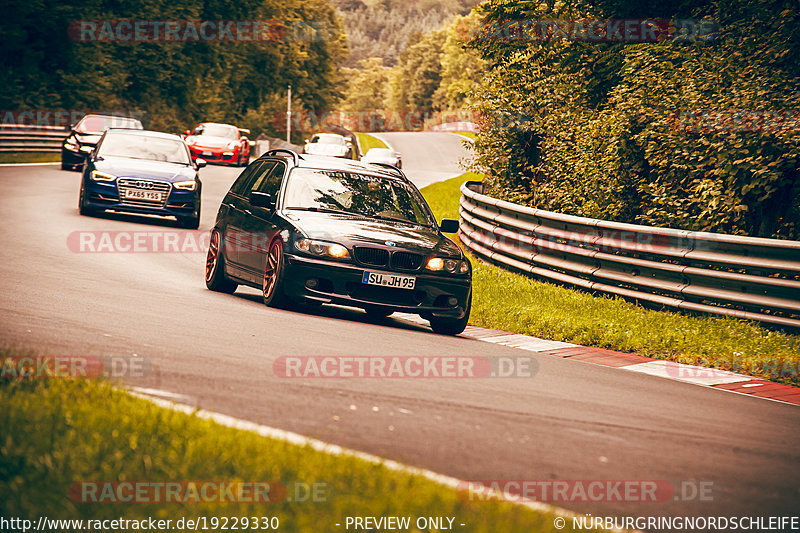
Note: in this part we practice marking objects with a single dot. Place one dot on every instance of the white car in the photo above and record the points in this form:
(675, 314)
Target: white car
(330, 144)
(384, 156)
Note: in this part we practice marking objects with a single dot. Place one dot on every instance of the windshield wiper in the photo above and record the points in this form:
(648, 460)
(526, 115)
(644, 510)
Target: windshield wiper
(395, 219)
(325, 210)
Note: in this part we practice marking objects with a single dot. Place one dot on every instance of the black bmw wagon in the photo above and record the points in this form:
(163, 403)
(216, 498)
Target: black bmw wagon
(317, 230)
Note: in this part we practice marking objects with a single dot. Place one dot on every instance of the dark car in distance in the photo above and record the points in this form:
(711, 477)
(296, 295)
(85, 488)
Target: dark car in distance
(142, 172)
(318, 230)
(83, 137)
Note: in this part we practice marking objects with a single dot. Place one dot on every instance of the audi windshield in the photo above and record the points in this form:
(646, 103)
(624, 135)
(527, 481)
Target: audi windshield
(357, 194)
(144, 147)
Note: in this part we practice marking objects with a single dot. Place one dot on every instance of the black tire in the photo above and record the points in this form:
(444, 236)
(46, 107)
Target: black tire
(83, 209)
(272, 283)
(378, 313)
(215, 266)
(193, 221)
(452, 327)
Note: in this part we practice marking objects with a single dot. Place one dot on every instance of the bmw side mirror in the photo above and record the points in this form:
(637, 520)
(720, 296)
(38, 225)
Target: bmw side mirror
(261, 199)
(200, 163)
(449, 225)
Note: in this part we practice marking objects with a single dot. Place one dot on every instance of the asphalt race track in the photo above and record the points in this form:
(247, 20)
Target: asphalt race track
(570, 421)
(427, 156)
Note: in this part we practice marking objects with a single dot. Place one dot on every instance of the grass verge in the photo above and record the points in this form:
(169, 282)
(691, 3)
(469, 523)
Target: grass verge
(470, 134)
(30, 157)
(60, 432)
(368, 141)
(514, 302)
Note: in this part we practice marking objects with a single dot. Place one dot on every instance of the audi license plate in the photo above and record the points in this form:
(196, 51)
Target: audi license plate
(139, 194)
(389, 280)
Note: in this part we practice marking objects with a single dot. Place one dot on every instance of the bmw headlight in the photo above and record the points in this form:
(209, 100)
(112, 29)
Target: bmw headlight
(453, 266)
(72, 147)
(96, 175)
(322, 249)
(185, 185)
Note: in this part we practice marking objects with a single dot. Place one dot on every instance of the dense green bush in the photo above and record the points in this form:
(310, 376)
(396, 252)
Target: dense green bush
(596, 128)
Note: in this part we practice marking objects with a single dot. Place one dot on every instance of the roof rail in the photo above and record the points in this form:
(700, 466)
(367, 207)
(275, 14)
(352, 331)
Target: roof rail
(390, 167)
(295, 156)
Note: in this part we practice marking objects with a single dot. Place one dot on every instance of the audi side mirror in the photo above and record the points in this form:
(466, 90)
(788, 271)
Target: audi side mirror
(200, 163)
(449, 225)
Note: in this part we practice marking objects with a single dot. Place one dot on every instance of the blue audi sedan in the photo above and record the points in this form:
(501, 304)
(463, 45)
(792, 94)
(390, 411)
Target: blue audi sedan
(142, 172)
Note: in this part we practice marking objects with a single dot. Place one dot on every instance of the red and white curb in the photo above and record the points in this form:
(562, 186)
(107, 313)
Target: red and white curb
(697, 375)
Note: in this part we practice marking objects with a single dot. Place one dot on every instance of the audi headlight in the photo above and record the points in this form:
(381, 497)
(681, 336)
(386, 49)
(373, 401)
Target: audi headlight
(322, 249)
(453, 266)
(185, 185)
(96, 175)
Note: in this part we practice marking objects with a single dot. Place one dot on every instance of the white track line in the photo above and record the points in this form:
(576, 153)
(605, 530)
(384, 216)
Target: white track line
(332, 449)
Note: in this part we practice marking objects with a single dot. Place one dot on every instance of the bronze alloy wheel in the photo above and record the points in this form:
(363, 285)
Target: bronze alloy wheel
(213, 255)
(272, 286)
(215, 275)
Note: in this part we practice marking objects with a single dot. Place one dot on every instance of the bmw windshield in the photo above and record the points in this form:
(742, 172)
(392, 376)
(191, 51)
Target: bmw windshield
(145, 147)
(357, 194)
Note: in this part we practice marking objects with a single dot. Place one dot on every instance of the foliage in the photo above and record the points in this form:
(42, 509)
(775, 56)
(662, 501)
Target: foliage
(594, 128)
(433, 73)
(384, 28)
(171, 84)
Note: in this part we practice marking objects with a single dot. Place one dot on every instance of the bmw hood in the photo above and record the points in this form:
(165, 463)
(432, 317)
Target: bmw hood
(140, 168)
(358, 231)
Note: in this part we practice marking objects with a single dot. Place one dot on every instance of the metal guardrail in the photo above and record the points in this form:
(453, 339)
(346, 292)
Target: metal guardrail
(743, 277)
(30, 138)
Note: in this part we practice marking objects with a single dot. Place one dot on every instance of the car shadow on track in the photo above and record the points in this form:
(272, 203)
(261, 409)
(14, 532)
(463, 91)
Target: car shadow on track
(146, 220)
(337, 312)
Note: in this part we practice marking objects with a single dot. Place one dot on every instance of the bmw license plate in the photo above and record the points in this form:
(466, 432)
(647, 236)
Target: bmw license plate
(207, 153)
(138, 194)
(389, 280)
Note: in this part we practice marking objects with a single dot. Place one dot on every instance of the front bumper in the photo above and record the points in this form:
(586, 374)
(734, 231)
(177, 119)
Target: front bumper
(105, 195)
(340, 283)
(215, 155)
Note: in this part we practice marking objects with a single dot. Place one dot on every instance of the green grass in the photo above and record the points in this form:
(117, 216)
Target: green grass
(514, 302)
(369, 141)
(54, 433)
(30, 157)
(469, 134)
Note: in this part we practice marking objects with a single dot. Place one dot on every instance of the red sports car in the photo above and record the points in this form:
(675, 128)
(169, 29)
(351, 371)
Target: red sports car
(219, 143)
